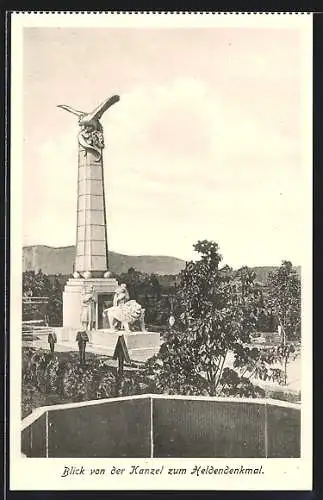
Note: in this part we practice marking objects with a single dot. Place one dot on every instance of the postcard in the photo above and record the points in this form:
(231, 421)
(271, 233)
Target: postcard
(161, 251)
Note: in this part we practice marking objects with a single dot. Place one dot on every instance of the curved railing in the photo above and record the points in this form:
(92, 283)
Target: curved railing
(164, 426)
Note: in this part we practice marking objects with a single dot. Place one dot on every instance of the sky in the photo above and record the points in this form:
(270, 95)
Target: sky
(205, 142)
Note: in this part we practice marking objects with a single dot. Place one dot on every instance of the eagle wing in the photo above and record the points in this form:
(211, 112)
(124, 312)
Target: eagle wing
(98, 112)
(71, 110)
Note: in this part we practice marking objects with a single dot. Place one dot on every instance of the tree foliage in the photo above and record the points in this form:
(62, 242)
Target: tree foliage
(217, 310)
(39, 285)
(284, 299)
(146, 289)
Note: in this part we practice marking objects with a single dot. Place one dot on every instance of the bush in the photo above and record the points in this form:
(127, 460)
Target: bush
(291, 397)
(137, 383)
(76, 382)
(56, 378)
(59, 377)
(106, 386)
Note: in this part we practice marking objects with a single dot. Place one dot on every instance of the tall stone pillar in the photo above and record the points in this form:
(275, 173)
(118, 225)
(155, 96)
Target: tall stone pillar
(91, 259)
(91, 274)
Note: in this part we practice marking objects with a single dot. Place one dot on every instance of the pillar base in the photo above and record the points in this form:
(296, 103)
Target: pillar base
(72, 295)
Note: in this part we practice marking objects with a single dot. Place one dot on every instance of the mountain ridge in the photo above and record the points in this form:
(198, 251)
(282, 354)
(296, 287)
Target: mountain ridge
(59, 260)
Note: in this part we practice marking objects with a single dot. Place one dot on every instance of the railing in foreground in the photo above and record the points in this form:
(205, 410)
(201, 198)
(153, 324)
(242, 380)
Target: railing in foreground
(164, 426)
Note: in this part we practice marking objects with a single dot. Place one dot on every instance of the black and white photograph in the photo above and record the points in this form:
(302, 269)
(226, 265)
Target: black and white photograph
(161, 197)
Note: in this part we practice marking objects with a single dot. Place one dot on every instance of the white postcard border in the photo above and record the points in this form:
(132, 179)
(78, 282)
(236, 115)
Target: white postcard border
(45, 474)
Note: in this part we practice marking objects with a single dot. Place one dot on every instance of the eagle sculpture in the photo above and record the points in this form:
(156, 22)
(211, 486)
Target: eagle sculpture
(91, 120)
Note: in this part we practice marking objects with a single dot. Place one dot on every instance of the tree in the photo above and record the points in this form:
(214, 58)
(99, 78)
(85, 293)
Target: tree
(35, 284)
(217, 310)
(137, 282)
(156, 286)
(39, 285)
(55, 303)
(284, 300)
(147, 290)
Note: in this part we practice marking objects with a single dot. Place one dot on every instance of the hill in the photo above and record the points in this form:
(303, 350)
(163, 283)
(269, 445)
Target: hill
(52, 260)
(55, 260)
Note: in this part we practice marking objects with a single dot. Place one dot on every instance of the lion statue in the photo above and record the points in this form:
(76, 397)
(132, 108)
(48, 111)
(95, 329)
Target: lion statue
(124, 316)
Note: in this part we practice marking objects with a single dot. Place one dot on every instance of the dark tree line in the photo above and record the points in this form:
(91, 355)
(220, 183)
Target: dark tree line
(279, 297)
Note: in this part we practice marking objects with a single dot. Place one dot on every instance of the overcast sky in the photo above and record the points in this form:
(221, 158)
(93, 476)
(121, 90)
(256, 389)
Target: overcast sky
(205, 142)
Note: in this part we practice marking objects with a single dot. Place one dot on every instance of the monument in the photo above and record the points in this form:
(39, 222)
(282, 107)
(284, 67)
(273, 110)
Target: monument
(91, 270)
(92, 299)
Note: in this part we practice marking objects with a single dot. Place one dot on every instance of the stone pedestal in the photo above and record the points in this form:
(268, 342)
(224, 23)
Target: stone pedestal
(141, 345)
(72, 306)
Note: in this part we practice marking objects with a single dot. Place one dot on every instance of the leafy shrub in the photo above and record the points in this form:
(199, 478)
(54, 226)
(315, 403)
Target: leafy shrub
(103, 383)
(27, 363)
(77, 382)
(291, 397)
(52, 374)
(56, 378)
(137, 383)
(27, 400)
(232, 383)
